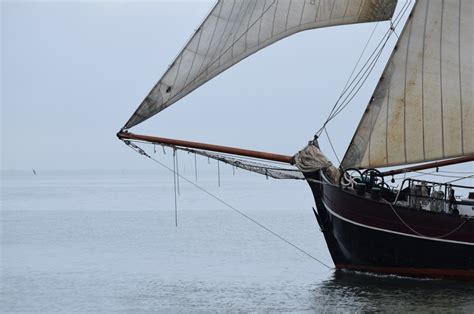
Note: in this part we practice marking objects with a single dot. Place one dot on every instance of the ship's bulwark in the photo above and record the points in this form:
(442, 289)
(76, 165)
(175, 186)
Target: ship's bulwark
(366, 235)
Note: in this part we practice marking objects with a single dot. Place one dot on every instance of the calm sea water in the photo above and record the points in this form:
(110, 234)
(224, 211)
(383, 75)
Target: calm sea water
(107, 242)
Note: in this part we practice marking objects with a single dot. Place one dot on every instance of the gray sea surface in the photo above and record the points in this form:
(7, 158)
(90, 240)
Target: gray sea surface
(106, 241)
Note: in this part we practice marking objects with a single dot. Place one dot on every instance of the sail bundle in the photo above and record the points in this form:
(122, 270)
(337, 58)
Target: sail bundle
(422, 108)
(235, 29)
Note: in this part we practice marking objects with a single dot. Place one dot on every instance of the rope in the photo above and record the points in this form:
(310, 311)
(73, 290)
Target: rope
(420, 234)
(142, 152)
(174, 185)
(352, 73)
(456, 172)
(445, 175)
(459, 179)
(332, 147)
(365, 70)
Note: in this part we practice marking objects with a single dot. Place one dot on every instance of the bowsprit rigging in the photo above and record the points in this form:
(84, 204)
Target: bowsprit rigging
(246, 216)
(420, 116)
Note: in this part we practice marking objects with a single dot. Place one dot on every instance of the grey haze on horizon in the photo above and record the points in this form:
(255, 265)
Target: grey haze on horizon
(74, 72)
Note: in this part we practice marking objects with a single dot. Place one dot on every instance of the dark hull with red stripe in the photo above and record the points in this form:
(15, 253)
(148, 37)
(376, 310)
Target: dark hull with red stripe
(363, 234)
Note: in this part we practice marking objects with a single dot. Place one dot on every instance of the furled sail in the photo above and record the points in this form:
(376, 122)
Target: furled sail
(235, 29)
(422, 108)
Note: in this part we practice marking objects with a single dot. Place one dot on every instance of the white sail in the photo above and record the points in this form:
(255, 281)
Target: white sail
(422, 108)
(235, 29)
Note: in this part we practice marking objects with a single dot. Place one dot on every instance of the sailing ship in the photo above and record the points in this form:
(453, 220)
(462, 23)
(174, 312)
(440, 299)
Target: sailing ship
(420, 116)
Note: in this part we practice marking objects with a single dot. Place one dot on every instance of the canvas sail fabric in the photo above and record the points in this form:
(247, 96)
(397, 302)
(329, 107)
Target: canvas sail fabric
(311, 159)
(235, 29)
(422, 109)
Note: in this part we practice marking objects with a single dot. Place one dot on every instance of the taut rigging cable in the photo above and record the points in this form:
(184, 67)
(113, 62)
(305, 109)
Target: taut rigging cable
(354, 84)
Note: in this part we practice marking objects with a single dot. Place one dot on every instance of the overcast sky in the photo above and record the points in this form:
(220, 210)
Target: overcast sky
(73, 73)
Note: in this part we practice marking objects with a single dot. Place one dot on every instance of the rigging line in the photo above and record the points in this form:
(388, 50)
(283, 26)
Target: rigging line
(332, 147)
(367, 72)
(361, 54)
(175, 196)
(353, 70)
(420, 175)
(387, 33)
(444, 175)
(141, 152)
(459, 179)
(195, 167)
(355, 85)
(422, 235)
(458, 172)
(177, 170)
(218, 174)
(350, 96)
(383, 40)
(371, 65)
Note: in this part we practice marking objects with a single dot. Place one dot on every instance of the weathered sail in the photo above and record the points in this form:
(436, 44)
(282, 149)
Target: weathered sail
(422, 108)
(235, 29)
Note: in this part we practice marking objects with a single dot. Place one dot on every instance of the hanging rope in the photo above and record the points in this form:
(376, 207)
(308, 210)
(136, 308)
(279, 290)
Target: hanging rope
(466, 219)
(177, 169)
(435, 174)
(218, 174)
(143, 153)
(174, 181)
(246, 163)
(195, 167)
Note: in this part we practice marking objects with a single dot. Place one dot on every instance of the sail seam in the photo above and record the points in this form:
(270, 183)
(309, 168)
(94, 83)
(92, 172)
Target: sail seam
(287, 15)
(261, 21)
(460, 81)
(302, 12)
(347, 6)
(218, 18)
(361, 4)
(356, 161)
(332, 9)
(241, 17)
(405, 90)
(214, 61)
(223, 33)
(194, 57)
(233, 32)
(441, 75)
(317, 12)
(218, 58)
(386, 116)
(423, 79)
(248, 25)
(274, 16)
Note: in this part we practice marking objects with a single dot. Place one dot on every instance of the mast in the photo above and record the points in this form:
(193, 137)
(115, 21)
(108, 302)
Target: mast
(124, 135)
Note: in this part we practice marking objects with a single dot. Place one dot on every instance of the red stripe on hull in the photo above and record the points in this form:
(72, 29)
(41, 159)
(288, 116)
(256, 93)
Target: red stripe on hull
(415, 272)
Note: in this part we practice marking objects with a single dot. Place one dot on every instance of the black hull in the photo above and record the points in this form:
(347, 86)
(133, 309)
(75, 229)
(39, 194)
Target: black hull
(366, 235)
